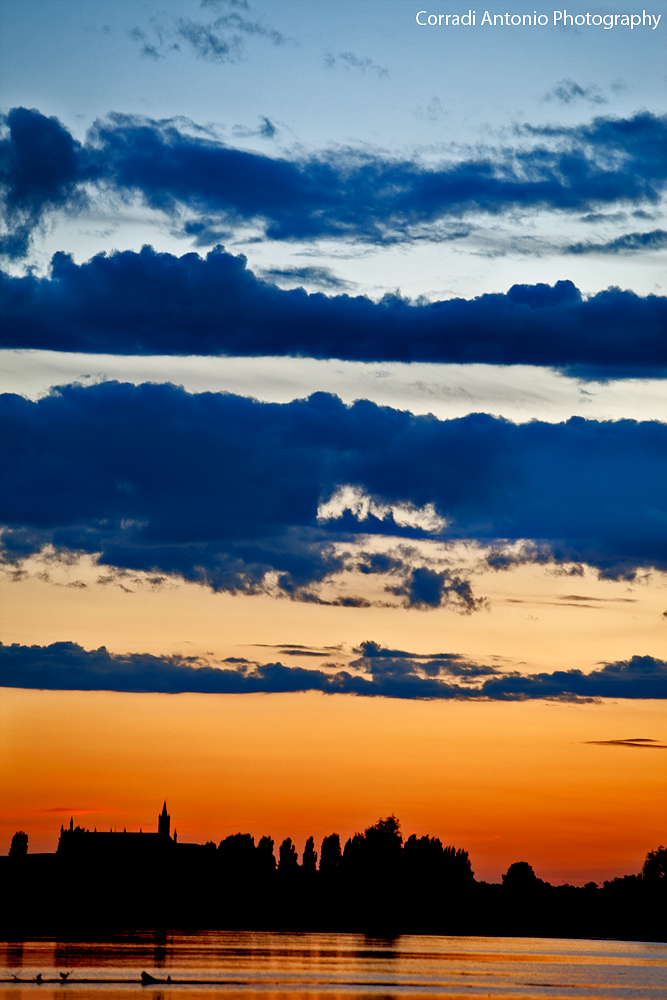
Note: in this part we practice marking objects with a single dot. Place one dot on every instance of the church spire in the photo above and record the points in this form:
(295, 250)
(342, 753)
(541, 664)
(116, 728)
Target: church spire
(164, 822)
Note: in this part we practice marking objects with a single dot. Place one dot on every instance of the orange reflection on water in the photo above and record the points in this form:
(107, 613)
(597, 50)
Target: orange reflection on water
(252, 965)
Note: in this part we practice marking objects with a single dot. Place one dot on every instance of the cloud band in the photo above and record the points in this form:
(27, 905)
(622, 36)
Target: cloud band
(155, 303)
(67, 666)
(225, 490)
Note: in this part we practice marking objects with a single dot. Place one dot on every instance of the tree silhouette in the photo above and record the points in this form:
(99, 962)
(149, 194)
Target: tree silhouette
(354, 854)
(19, 845)
(520, 875)
(422, 855)
(289, 859)
(378, 886)
(655, 866)
(385, 835)
(383, 846)
(309, 860)
(266, 861)
(457, 865)
(330, 855)
(237, 854)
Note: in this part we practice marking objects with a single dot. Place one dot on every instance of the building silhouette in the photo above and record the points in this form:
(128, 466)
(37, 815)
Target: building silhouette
(78, 843)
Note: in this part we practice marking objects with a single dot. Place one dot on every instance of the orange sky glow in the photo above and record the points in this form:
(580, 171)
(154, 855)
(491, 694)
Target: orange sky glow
(508, 782)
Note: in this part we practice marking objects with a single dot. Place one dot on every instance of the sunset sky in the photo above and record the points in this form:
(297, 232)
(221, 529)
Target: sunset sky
(333, 454)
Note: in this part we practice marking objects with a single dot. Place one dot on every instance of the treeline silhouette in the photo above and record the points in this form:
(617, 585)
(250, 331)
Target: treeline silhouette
(375, 883)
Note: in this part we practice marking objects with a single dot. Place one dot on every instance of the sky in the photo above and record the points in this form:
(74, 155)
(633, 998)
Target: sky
(333, 475)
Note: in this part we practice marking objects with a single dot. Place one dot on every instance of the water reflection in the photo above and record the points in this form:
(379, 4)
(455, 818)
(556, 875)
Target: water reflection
(160, 950)
(285, 966)
(14, 955)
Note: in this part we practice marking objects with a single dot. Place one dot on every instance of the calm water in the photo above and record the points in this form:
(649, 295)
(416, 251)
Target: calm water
(280, 966)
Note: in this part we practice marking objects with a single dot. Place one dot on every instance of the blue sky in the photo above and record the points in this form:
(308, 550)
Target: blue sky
(49, 49)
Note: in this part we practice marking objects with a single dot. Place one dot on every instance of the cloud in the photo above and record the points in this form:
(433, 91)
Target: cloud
(156, 303)
(41, 170)
(207, 41)
(67, 666)
(383, 663)
(628, 243)
(267, 129)
(70, 810)
(148, 50)
(426, 588)
(570, 92)
(640, 742)
(598, 600)
(423, 586)
(349, 61)
(220, 40)
(350, 194)
(638, 677)
(433, 111)
(204, 232)
(297, 649)
(359, 503)
(218, 4)
(323, 277)
(226, 491)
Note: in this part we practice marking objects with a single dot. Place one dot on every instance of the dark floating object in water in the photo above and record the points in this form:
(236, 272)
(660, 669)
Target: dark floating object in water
(146, 980)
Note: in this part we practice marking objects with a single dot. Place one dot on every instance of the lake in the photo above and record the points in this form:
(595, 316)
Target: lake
(277, 966)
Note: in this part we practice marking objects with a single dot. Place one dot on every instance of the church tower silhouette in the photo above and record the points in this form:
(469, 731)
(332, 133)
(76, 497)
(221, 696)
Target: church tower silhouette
(163, 822)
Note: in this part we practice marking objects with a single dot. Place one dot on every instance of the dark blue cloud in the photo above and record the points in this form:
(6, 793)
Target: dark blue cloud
(41, 168)
(384, 664)
(638, 677)
(426, 588)
(224, 490)
(150, 303)
(67, 666)
(628, 243)
(357, 195)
